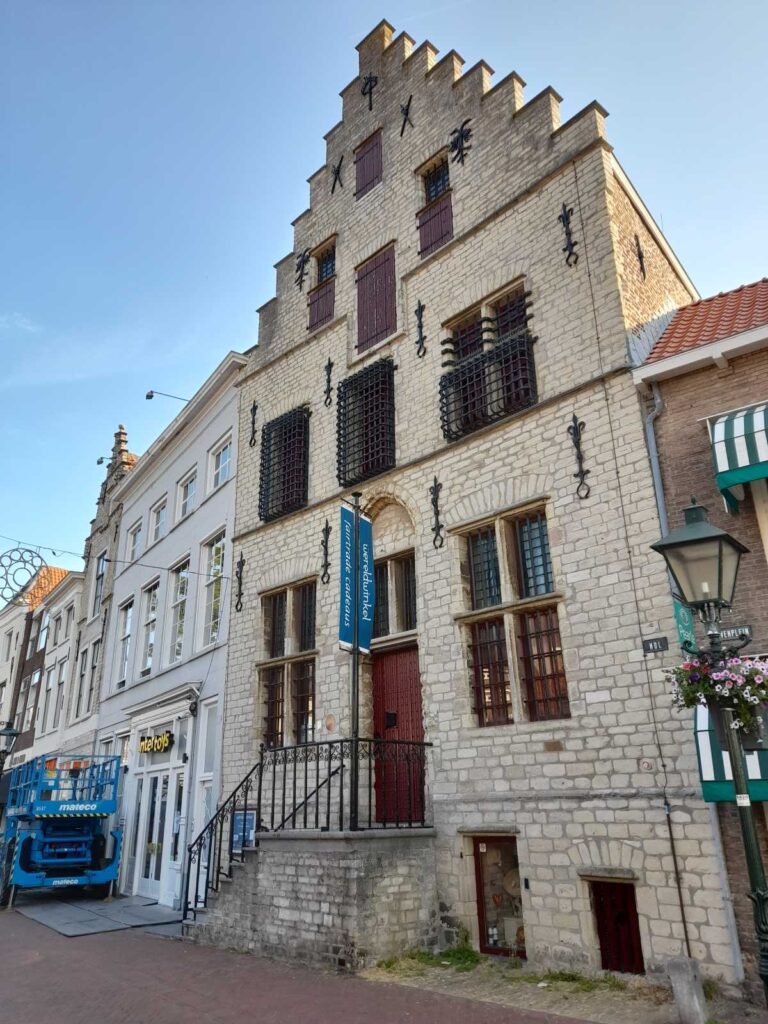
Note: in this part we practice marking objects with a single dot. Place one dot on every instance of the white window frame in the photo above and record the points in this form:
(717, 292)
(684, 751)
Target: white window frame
(158, 508)
(225, 445)
(35, 680)
(69, 619)
(50, 691)
(60, 684)
(214, 587)
(133, 545)
(100, 571)
(57, 631)
(149, 626)
(82, 675)
(125, 627)
(178, 610)
(189, 478)
(93, 663)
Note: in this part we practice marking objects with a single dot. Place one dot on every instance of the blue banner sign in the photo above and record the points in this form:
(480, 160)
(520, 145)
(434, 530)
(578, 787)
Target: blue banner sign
(363, 575)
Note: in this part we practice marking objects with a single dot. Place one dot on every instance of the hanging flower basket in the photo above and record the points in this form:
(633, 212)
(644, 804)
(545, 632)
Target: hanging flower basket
(738, 685)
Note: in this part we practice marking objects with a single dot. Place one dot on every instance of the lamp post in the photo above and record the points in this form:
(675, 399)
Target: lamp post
(704, 563)
(8, 737)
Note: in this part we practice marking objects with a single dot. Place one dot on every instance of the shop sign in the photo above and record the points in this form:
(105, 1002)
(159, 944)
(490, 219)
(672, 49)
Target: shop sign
(359, 579)
(156, 744)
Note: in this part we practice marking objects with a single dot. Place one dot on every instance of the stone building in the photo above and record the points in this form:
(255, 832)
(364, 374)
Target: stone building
(706, 380)
(453, 336)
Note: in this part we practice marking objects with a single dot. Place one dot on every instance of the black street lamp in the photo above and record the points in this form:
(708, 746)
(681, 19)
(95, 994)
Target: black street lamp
(8, 737)
(704, 562)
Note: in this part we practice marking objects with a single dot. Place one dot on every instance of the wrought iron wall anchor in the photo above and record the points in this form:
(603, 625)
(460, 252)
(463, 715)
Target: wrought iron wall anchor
(369, 84)
(437, 527)
(325, 576)
(252, 438)
(575, 431)
(421, 339)
(302, 265)
(239, 578)
(405, 110)
(460, 145)
(328, 387)
(640, 255)
(571, 256)
(337, 175)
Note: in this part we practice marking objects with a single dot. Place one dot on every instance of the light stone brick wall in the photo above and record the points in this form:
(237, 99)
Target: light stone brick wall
(596, 805)
(334, 901)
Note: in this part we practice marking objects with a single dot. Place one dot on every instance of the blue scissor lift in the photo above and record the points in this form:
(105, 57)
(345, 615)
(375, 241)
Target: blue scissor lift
(57, 818)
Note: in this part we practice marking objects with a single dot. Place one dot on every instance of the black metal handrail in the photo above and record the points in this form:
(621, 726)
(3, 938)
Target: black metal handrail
(309, 787)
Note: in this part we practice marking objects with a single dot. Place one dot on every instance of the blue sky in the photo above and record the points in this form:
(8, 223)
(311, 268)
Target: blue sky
(154, 153)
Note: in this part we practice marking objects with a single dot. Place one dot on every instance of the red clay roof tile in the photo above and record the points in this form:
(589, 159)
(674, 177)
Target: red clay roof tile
(713, 319)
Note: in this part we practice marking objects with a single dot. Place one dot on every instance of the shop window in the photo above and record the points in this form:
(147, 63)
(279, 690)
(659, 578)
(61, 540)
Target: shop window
(499, 896)
(491, 369)
(365, 423)
(284, 476)
(376, 299)
(368, 165)
(288, 672)
(435, 220)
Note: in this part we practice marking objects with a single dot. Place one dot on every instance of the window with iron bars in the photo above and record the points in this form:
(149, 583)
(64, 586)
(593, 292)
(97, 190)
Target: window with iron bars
(322, 297)
(365, 423)
(284, 476)
(288, 671)
(491, 371)
(529, 616)
(395, 608)
(435, 220)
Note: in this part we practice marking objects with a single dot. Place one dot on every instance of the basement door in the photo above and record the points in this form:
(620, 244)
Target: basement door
(397, 718)
(617, 927)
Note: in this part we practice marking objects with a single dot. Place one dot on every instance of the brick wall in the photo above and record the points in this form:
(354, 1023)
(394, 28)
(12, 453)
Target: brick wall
(332, 901)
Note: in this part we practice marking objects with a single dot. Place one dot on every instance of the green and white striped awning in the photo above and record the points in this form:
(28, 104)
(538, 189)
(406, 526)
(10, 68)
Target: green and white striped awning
(740, 449)
(715, 765)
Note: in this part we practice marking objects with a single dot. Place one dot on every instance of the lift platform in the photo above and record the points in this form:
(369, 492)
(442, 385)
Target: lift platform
(56, 831)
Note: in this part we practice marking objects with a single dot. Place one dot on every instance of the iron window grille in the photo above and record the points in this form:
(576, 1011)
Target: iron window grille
(368, 167)
(284, 478)
(534, 565)
(490, 672)
(303, 687)
(540, 660)
(491, 369)
(326, 264)
(484, 577)
(365, 423)
(395, 608)
(407, 567)
(436, 181)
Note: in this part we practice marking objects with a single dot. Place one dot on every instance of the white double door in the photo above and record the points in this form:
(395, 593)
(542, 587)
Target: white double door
(160, 850)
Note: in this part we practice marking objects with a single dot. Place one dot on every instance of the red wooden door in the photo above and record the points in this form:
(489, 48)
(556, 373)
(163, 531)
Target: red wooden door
(399, 777)
(617, 927)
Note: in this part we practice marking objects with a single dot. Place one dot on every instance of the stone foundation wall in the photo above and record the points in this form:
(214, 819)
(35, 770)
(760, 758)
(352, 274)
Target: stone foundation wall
(331, 900)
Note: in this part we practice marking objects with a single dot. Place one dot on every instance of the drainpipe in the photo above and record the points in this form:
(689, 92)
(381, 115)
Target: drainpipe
(714, 823)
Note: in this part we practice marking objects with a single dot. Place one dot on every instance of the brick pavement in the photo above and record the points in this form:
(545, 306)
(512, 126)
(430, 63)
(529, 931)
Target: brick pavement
(132, 976)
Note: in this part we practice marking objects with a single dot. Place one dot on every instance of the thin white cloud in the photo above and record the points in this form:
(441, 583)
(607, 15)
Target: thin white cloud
(18, 322)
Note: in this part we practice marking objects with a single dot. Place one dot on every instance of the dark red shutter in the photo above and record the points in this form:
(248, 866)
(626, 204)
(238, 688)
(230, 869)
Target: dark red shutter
(368, 165)
(321, 301)
(376, 301)
(435, 225)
